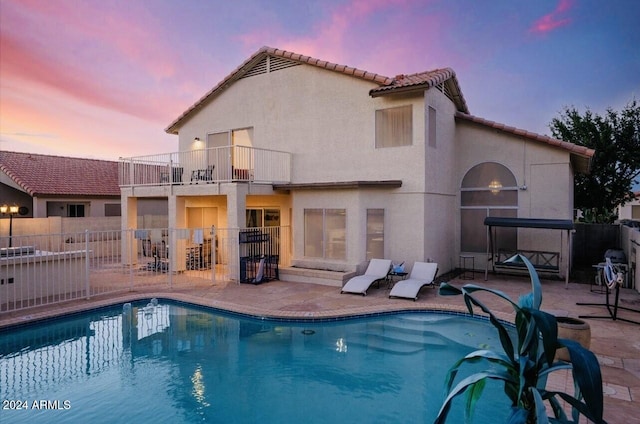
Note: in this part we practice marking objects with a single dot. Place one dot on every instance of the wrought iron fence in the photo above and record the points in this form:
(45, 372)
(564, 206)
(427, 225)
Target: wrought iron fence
(47, 269)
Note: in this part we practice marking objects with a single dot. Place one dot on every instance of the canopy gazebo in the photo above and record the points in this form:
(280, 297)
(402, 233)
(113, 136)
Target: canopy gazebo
(543, 261)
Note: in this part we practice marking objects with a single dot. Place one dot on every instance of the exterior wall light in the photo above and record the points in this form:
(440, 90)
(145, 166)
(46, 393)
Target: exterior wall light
(197, 143)
(10, 210)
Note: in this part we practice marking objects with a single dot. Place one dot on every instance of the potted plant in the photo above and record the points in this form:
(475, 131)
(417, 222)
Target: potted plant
(573, 329)
(524, 363)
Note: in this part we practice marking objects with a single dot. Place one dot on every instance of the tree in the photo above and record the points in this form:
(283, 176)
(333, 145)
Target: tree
(615, 137)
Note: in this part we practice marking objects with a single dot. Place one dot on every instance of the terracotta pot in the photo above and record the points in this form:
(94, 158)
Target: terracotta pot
(572, 329)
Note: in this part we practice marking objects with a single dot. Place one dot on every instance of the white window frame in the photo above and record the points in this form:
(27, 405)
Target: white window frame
(328, 244)
(388, 135)
(495, 187)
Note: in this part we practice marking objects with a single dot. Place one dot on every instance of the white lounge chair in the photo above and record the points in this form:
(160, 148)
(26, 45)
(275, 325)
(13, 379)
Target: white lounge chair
(422, 274)
(377, 270)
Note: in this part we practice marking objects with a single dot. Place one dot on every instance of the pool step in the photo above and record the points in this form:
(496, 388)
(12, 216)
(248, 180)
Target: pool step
(315, 276)
(405, 345)
(400, 337)
(466, 336)
(412, 333)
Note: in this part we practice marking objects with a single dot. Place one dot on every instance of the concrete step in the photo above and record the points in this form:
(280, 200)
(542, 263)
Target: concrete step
(315, 276)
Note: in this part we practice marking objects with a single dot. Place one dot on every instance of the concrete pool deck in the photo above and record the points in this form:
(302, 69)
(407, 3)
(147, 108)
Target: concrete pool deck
(616, 343)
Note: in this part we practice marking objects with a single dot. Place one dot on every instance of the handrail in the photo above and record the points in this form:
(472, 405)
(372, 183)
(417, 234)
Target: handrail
(216, 164)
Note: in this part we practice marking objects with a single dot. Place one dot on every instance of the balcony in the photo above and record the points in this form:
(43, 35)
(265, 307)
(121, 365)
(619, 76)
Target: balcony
(214, 165)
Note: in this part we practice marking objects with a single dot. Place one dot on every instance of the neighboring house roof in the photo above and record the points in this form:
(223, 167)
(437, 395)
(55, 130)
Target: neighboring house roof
(581, 156)
(402, 83)
(43, 175)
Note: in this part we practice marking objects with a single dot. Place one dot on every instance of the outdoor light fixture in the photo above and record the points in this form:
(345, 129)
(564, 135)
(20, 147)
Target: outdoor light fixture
(197, 143)
(495, 186)
(10, 210)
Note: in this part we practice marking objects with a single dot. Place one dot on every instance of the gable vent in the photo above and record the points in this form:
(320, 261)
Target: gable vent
(269, 64)
(277, 63)
(445, 90)
(258, 69)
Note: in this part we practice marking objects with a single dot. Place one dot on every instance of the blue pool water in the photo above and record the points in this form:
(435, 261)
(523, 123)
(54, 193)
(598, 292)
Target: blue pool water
(176, 363)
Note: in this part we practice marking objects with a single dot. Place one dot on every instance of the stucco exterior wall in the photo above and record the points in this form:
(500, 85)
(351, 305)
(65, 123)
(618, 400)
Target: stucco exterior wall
(440, 200)
(630, 210)
(403, 224)
(325, 119)
(94, 208)
(543, 174)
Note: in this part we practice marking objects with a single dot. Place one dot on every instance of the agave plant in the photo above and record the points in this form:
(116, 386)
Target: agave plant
(525, 362)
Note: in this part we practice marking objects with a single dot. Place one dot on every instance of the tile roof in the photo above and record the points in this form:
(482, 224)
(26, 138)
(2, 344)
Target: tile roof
(426, 80)
(444, 78)
(581, 154)
(387, 85)
(44, 175)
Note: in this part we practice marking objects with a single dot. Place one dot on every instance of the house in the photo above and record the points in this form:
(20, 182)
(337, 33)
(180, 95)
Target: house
(357, 164)
(59, 186)
(631, 209)
(45, 185)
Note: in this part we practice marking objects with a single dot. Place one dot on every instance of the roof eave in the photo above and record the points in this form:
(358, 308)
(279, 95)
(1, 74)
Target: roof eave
(174, 127)
(236, 74)
(580, 156)
(581, 164)
(339, 185)
(399, 90)
(451, 82)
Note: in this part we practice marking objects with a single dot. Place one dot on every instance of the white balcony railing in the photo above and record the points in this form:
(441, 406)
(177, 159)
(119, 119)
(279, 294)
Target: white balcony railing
(218, 164)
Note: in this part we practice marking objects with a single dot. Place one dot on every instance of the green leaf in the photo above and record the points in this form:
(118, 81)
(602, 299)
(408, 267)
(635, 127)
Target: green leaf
(473, 394)
(447, 289)
(540, 409)
(464, 385)
(586, 373)
(522, 376)
(560, 365)
(505, 339)
(580, 406)
(472, 288)
(474, 357)
(548, 327)
(558, 410)
(518, 415)
(526, 300)
(536, 288)
(529, 341)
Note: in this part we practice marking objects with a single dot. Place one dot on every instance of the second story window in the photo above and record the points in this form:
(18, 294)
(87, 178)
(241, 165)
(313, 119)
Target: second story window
(394, 126)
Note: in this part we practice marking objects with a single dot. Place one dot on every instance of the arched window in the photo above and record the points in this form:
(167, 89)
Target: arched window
(488, 189)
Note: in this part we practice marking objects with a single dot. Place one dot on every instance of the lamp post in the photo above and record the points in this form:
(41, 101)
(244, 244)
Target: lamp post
(11, 210)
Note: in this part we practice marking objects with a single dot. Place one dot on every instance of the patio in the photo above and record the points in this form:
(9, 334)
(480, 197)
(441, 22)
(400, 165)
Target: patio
(616, 343)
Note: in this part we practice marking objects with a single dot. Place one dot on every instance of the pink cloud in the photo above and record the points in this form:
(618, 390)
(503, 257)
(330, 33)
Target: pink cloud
(553, 20)
(21, 62)
(112, 65)
(131, 33)
(383, 36)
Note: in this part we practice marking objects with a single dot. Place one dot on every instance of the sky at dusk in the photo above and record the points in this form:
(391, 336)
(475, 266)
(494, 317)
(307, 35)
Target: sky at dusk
(104, 78)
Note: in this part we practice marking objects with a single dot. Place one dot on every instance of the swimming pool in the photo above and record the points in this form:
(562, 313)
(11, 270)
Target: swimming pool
(177, 363)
